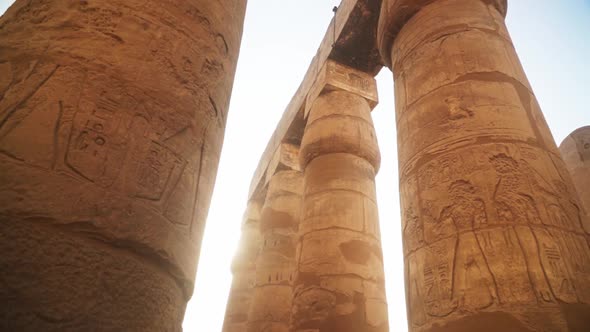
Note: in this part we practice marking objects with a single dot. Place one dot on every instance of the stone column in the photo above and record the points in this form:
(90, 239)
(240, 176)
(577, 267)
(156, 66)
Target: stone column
(111, 123)
(493, 236)
(575, 150)
(340, 283)
(244, 272)
(272, 296)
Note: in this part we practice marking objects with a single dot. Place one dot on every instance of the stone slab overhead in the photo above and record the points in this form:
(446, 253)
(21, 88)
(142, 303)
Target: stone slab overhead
(350, 40)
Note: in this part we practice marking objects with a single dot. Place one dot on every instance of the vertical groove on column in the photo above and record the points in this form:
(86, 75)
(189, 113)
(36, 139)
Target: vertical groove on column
(340, 282)
(272, 296)
(493, 230)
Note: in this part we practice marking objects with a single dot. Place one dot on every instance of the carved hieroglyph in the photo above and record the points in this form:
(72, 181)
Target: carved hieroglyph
(270, 309)
(111, 122)
(575, 150)
(244, 271)
(340, 282)
(492, 227)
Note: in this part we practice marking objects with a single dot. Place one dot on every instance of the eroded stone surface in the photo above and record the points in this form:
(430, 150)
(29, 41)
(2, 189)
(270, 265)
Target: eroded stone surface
(492, 229)
(270, 309)
(111, 122)
(340, 279)
(575, 150)
(244, 271)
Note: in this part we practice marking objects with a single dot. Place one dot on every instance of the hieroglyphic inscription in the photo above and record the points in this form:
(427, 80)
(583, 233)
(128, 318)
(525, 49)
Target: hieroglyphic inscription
(97, 148)
(503, 234)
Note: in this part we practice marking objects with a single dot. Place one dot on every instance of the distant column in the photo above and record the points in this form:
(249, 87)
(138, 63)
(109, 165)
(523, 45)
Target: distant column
(575, 150)
(244, 271)
(340, 282)
(272, 296)
(493, 235)
(112, 116)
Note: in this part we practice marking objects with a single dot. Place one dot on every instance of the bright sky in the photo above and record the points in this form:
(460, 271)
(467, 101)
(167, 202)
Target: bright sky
(280, 38)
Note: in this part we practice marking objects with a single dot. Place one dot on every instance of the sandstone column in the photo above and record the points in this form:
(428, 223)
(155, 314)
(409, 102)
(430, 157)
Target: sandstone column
(272, 296)
(493, 235)
(340, 282)
(575, 150)
(111, 122)
(244, 272)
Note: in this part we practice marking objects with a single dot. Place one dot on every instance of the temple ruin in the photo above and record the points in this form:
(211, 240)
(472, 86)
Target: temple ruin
(108, 161)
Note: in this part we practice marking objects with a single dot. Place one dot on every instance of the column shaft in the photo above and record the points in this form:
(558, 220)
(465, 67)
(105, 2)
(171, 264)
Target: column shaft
(575, 150)
(112, 116)
(492, 227)
(340, 281)
(272, 296)
(244, 272)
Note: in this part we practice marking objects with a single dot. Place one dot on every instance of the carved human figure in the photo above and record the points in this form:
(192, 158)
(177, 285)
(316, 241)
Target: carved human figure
(473, 284)
(491, 189)
(513, 204)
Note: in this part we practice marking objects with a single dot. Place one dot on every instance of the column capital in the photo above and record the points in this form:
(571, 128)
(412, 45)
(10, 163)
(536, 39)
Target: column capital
(334, 76)
(395, 14)
(285, 158)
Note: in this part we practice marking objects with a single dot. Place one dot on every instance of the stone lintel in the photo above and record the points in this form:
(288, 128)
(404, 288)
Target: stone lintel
(351, 40)
(334, 76)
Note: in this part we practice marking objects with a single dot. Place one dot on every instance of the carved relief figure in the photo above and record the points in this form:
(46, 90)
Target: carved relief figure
(512, 203)
(473, 285)
(551, 190)
(507, 263)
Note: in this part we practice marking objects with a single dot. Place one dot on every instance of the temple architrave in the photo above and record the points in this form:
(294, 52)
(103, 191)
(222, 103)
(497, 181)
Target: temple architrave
(112, 116)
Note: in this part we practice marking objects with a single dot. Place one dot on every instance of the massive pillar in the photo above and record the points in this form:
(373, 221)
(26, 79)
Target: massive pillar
(575, 150)
(272, 296)
(340, 284)
(244, 272)
(111, 123)
(492, 227)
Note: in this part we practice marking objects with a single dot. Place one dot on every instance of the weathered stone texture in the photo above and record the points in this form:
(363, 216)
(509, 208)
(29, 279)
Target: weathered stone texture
(340, 281)
(492, 227)
(575, 150)
(244, 271)
(270, 309)
(111, 123)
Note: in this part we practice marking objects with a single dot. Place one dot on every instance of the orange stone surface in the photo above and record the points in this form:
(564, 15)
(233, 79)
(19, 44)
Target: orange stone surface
(575, 150)
(494, 239)
(244, 272)
(340, 278)
(493, 234)
(270, 308)
(112, 116)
